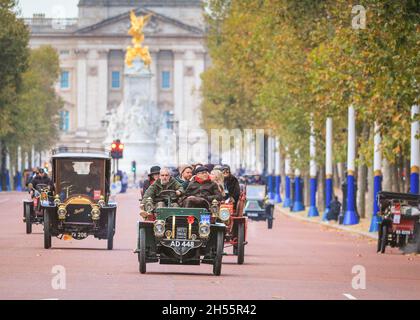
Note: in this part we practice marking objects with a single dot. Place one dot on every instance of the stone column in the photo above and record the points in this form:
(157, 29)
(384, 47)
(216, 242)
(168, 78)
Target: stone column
(102, 93)
(155, 76)
(81, 91)
(179, 84)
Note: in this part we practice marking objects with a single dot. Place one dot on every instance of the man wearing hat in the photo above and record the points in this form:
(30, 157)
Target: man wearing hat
(153, 176)
(185, 175)
(201, 190)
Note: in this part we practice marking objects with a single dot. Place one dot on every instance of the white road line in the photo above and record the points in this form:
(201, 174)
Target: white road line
(349, 296)
(4, 200)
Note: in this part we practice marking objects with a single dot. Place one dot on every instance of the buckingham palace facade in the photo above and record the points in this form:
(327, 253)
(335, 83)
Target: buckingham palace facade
(92, 48)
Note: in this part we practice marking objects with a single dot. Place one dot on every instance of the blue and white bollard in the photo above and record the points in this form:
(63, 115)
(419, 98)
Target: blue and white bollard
(277, 195)
(350, 216)
(313, 210)
(287, 200)
(19, 171)
(298, 204)
(328, 167)
(377, 180)
(415, 152)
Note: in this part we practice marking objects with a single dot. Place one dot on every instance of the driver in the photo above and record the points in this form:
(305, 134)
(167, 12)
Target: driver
(42, 178)
(201, 190)
(165, 182)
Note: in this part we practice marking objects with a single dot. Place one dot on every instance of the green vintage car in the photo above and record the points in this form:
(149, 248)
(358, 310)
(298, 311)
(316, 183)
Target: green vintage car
(187, 236)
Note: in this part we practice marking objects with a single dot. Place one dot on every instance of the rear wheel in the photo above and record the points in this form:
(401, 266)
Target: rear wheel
(28, 218)
(111, 230)
(241, 243)
(384, 238)
(47, 230)
(217, 264)
(142, 250)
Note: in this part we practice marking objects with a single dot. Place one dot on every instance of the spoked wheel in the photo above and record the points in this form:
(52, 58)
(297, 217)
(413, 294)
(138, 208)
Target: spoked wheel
(28, 218)
(142, 250)
(217, 264)
(47, 231)
(383, 238)
(111, 230)
(241, 243)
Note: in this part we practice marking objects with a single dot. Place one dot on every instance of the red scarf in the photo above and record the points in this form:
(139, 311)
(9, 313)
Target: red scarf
(200, 181)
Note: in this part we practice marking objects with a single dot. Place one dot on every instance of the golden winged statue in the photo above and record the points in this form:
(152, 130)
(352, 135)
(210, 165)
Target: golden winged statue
(137, 49)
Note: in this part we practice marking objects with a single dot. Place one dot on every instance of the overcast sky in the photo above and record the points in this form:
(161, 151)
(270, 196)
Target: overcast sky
(51, 8)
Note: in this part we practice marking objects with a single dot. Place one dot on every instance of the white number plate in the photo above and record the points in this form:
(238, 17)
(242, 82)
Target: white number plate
(182, 244)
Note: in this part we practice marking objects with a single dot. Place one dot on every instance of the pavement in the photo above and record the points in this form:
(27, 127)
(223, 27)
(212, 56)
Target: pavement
(296, 259)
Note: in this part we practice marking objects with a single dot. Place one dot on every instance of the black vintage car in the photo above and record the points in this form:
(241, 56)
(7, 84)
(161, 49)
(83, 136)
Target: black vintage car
(33, 212)
(174, 235)
(258, 207)
(400, 225)
(80, 205)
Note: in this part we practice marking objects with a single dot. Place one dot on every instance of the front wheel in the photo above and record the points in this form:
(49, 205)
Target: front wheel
(28, 218)
(384, 238)
(142, 250)
(47, 230)
(217, 264)
(111, 230)
(241, 243)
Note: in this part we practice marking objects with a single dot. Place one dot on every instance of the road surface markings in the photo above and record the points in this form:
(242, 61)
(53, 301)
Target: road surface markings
(4, 200)
(349, 296)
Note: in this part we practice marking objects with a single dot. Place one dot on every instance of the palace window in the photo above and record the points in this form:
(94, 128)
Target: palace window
(65, 80)
(64, 121)
(115, 80)
(166, 80)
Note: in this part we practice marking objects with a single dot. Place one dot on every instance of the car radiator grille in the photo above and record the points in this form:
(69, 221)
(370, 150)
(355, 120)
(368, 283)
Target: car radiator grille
(181, 222)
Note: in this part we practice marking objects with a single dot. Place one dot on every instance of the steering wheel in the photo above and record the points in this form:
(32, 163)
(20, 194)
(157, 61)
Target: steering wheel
(171, 194)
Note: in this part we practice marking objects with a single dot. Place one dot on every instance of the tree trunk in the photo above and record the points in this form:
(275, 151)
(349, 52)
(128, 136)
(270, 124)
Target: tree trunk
(369, 204)
(321, 189)
(393, 179)
(406, 175)
(306, 192)
(386, 174)
(361, 189)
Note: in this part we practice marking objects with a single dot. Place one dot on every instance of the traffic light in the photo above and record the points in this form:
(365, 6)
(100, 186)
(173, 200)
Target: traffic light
(117, 149)
(133, 166)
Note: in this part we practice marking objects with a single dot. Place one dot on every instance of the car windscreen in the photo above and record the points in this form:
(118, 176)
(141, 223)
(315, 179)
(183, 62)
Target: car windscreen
(255, 192)
(81, 176)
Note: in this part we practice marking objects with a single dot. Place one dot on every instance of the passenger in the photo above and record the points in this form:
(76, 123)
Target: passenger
(185, 175)
(165, 182)
(217, 177)
(231, 185)
(201, 190)
(153, 177)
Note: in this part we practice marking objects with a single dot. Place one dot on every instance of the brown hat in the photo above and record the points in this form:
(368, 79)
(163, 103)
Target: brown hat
(183, 167)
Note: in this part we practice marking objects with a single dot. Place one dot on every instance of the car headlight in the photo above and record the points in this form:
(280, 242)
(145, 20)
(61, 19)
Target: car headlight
(57, 200)
(224, 214)
(159, 228)
(95, 213)
(101, 201)
(148, 206)
(204, 230)
(62, 212)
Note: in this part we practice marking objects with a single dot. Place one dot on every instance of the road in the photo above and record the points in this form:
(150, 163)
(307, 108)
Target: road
(294, 260)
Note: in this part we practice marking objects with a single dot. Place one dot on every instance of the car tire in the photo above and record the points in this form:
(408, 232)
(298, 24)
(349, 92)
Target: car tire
(241, 243)
(111, 230)
(28, 220)
(270, 219)
(142, 250)
(217, 264)
(47, 231)
(384, 238)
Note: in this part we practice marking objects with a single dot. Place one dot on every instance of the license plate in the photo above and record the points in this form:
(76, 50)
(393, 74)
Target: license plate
(182, 244)
(181, 233)
(249, 214)
(403, 232)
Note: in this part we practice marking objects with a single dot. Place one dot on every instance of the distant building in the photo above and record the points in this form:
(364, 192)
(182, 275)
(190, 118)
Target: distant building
(92, 51)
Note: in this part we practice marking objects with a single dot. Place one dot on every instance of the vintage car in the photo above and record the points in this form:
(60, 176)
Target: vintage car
(400, 223)
(236, 225)
(33, 212)
(258, 207)
(80, 206)
(175, 235)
